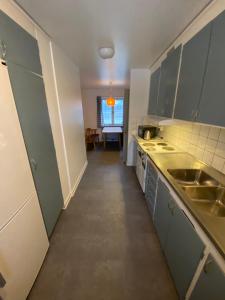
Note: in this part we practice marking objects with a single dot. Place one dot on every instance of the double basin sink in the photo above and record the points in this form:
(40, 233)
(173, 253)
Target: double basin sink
(205, 192)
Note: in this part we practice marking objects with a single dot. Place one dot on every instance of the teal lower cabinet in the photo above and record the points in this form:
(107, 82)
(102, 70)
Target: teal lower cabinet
(183, 250)
(162, 218)
(182, 246)
(150, 186)
(211, 283)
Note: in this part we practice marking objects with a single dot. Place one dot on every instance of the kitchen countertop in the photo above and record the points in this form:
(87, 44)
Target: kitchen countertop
(213, 226)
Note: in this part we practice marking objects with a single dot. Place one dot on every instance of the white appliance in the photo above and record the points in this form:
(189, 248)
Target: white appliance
(147, 147)
(23, 238)
(158, 146)
(141, 167)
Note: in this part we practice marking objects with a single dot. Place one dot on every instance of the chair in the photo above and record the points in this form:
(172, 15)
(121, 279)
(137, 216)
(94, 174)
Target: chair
(91, 137)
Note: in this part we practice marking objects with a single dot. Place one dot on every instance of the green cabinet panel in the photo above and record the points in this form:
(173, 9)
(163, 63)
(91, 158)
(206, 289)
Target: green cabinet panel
(154, 91)
(183, 250)
(162, 217)
(29, 95)
(193, 65)
(21, 47)
(168, 83)
(211, 283)
(212, 104)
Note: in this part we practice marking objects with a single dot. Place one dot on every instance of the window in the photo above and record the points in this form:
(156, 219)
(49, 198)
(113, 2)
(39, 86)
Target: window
(112, 115)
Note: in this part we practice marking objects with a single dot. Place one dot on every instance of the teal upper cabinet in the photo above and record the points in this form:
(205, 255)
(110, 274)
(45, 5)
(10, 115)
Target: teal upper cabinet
(212, 104)
(193, 65)
(29, 95)
(168, 83)
(154, 91)
(20, 47)
(211, 283)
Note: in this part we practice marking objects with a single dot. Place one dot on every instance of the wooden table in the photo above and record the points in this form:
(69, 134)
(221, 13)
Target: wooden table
(112, 130)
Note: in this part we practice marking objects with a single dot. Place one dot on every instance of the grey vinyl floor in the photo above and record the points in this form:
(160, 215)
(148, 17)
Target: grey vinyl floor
(104, 246)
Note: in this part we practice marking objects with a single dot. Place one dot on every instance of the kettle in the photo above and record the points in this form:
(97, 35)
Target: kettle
(147, 135)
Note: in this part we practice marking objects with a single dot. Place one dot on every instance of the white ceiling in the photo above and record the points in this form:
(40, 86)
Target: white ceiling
(139, 30)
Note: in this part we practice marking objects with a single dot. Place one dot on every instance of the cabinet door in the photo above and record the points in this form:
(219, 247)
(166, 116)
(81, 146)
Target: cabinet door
(168, 83)
(23, 245)
(193, 65)
(16, 184)
(183, 250)
(21, 47)
(211, 283)
(150, 186)
(162, 218)
(154, 90)
(29, 95)
(212, 104)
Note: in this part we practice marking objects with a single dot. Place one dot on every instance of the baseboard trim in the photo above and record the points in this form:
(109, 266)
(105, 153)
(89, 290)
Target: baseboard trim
(75, 185)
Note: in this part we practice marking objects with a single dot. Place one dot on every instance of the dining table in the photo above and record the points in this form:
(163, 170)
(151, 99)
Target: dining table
(112, 130)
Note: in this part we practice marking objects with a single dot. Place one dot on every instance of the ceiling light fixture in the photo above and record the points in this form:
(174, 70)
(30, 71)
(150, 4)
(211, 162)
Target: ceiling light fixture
(106, 52)
(110, 101)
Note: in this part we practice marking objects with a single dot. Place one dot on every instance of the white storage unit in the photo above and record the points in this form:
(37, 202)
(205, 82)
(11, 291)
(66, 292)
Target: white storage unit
(23, 239)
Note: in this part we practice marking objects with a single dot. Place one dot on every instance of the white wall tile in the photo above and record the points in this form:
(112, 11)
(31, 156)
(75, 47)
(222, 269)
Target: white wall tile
(214, 133)
(204, 131)
(206, 143)
(218, 162)
(208, 157)
(222, 135)
(220, 149)
(211, 145)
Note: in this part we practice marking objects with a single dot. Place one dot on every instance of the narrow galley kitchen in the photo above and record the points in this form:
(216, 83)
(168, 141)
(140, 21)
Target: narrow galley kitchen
(112, 150)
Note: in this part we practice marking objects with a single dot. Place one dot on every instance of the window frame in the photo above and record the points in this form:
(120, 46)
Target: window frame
(111, 125)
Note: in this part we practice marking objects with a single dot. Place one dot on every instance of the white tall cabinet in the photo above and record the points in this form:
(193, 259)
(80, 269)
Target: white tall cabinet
(23, 239)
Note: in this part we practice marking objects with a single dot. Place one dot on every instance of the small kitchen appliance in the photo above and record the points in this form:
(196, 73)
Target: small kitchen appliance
(147, 135)
(152, 130)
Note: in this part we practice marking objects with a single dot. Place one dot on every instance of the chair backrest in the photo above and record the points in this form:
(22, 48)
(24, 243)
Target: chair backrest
(90, 131)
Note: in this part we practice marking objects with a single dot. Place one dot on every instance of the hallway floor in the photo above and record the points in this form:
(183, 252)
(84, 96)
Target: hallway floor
(104, 246)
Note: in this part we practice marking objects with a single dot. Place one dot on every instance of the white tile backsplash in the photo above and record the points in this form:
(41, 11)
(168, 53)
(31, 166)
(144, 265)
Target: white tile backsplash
(214, 133)
(206, 143)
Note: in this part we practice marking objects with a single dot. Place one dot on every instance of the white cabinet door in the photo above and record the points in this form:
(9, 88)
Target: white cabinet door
(23, 245)
(16, 182)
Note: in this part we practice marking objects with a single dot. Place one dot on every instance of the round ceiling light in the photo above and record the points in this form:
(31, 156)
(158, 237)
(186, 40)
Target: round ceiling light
(106, 52)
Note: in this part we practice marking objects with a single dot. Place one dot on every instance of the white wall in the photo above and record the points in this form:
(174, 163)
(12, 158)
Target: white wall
(54, 112)
(65, 108)
(89, 103)
(138, 105)
(67, 79)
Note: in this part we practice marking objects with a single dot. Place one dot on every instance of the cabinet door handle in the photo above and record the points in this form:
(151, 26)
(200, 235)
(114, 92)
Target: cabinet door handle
(33, 164)
(171, 207)
(207, 265)
(2, 281)
(196, 114)
(2, 50)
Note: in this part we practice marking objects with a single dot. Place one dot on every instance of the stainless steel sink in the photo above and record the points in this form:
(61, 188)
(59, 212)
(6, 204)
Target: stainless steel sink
(192, 177)
(208, 199)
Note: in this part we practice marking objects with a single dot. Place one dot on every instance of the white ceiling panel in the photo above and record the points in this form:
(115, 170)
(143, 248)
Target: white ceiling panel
(139, 30)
